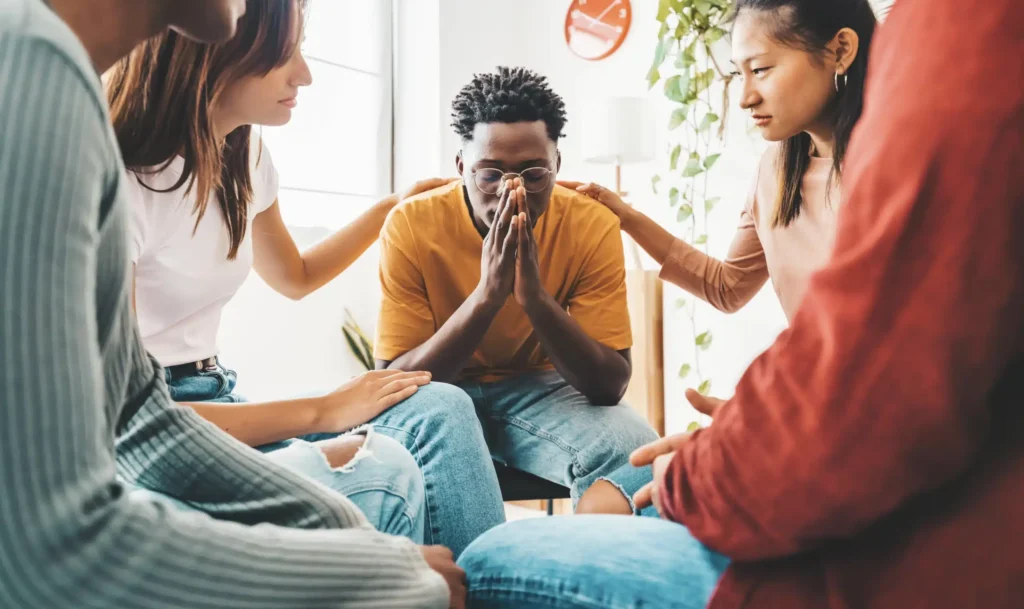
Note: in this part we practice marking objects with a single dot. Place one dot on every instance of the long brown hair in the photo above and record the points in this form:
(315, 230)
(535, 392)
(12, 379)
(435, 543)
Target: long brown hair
(810, 25)
(161, 96)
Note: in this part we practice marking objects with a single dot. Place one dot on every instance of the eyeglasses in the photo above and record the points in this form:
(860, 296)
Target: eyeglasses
(489, 181)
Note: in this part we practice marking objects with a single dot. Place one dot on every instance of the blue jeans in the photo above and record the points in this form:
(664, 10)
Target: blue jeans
(458, 492)
(383, 479)
(539, 423)
(591, 562)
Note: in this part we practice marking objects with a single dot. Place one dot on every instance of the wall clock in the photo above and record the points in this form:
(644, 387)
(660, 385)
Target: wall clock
(594, 29)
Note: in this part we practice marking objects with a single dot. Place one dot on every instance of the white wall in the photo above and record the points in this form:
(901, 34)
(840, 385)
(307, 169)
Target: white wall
(478, 35)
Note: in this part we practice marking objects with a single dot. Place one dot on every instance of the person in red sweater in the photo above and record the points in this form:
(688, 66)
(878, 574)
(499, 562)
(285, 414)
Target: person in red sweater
(872, 457)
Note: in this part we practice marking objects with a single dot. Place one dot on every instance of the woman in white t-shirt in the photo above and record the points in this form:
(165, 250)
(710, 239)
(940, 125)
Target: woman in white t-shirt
(206, 213)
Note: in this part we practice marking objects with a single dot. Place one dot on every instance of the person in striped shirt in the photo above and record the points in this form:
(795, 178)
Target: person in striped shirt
(74, 376)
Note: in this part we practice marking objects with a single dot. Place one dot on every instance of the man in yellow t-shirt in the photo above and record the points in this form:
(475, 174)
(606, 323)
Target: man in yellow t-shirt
(513, 288)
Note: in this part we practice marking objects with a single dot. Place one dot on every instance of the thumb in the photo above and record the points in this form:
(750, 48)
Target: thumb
(702, 403)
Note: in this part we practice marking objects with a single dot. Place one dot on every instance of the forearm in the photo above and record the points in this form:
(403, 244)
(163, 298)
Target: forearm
(446, 353)
(256, 424)
(598, 372)
(326, 260)
(648, 234)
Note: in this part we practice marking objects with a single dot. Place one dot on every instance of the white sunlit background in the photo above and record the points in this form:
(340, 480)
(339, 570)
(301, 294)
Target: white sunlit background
(334, 159)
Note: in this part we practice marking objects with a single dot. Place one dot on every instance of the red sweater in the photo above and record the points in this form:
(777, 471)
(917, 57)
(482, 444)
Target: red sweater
(873, 457)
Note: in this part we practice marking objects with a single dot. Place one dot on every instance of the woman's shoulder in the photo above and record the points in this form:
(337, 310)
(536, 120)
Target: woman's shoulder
(265, 180)
(768, 165)
(764, 183)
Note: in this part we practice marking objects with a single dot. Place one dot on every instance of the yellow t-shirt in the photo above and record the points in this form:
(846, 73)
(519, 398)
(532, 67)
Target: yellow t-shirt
(430, 264)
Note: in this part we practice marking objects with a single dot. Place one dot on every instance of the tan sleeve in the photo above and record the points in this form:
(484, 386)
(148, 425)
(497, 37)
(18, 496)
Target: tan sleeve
(726, 284)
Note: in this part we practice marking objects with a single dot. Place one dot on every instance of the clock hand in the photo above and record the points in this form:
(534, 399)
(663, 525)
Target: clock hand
(595, 21)
(609, 7)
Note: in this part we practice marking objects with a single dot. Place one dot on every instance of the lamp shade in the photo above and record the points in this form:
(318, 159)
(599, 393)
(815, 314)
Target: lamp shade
(618, 130)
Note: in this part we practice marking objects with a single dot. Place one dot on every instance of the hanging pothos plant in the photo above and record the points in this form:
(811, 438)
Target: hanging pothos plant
(687, 68)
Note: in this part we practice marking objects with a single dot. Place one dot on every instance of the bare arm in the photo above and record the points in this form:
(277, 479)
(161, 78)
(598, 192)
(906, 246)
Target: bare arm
(598, 372)
(257, 424)
(354, 403)
(297, 274)
(446, 353)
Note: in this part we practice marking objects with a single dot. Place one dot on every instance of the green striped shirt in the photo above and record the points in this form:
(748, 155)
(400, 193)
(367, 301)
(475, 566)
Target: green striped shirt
(74, 379)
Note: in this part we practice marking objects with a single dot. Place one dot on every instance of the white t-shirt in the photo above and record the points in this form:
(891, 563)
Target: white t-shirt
(183, 280)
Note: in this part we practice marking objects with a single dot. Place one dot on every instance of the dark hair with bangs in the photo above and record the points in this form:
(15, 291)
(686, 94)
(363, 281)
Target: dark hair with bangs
(161, 95)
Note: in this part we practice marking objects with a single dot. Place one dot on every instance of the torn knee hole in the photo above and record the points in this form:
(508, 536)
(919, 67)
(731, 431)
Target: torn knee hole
(344, 452)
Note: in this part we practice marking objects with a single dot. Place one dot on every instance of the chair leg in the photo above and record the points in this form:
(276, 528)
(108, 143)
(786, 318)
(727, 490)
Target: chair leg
(551, 507)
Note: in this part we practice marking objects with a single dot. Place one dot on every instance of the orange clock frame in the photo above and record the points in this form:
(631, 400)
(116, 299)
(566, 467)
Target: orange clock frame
(607, 20)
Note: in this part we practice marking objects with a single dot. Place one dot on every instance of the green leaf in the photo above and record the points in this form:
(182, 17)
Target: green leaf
(689, 54)
(714, 35)
(678, 117)
(693, 167)
(701, 240)
(709, 204)
(709, 119)
(654, 183)
(653, 77)
(705, 387)
(351, 339)
(703, 340)
(664, 10)
(680, 303)
(710, 161)
(673, 90)
(702, 81)
(685, 211)
(684, 371)
(673, 159)
(661, 50)
(673, 197)
(703, 6)
(692, 427)
(682, 88)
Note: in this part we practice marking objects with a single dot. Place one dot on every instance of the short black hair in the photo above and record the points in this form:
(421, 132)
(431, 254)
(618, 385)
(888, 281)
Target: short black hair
(509, 95)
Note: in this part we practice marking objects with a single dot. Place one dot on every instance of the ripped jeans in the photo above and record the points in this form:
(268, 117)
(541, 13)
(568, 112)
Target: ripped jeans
(383, 479)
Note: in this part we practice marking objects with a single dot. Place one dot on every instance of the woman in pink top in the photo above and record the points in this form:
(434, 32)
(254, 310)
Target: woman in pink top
(805, 91)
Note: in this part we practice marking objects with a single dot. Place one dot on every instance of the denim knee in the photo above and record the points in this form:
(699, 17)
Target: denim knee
(451, 409)
(453, 399)
(383, 480)
(624, 434)
(395, 470)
